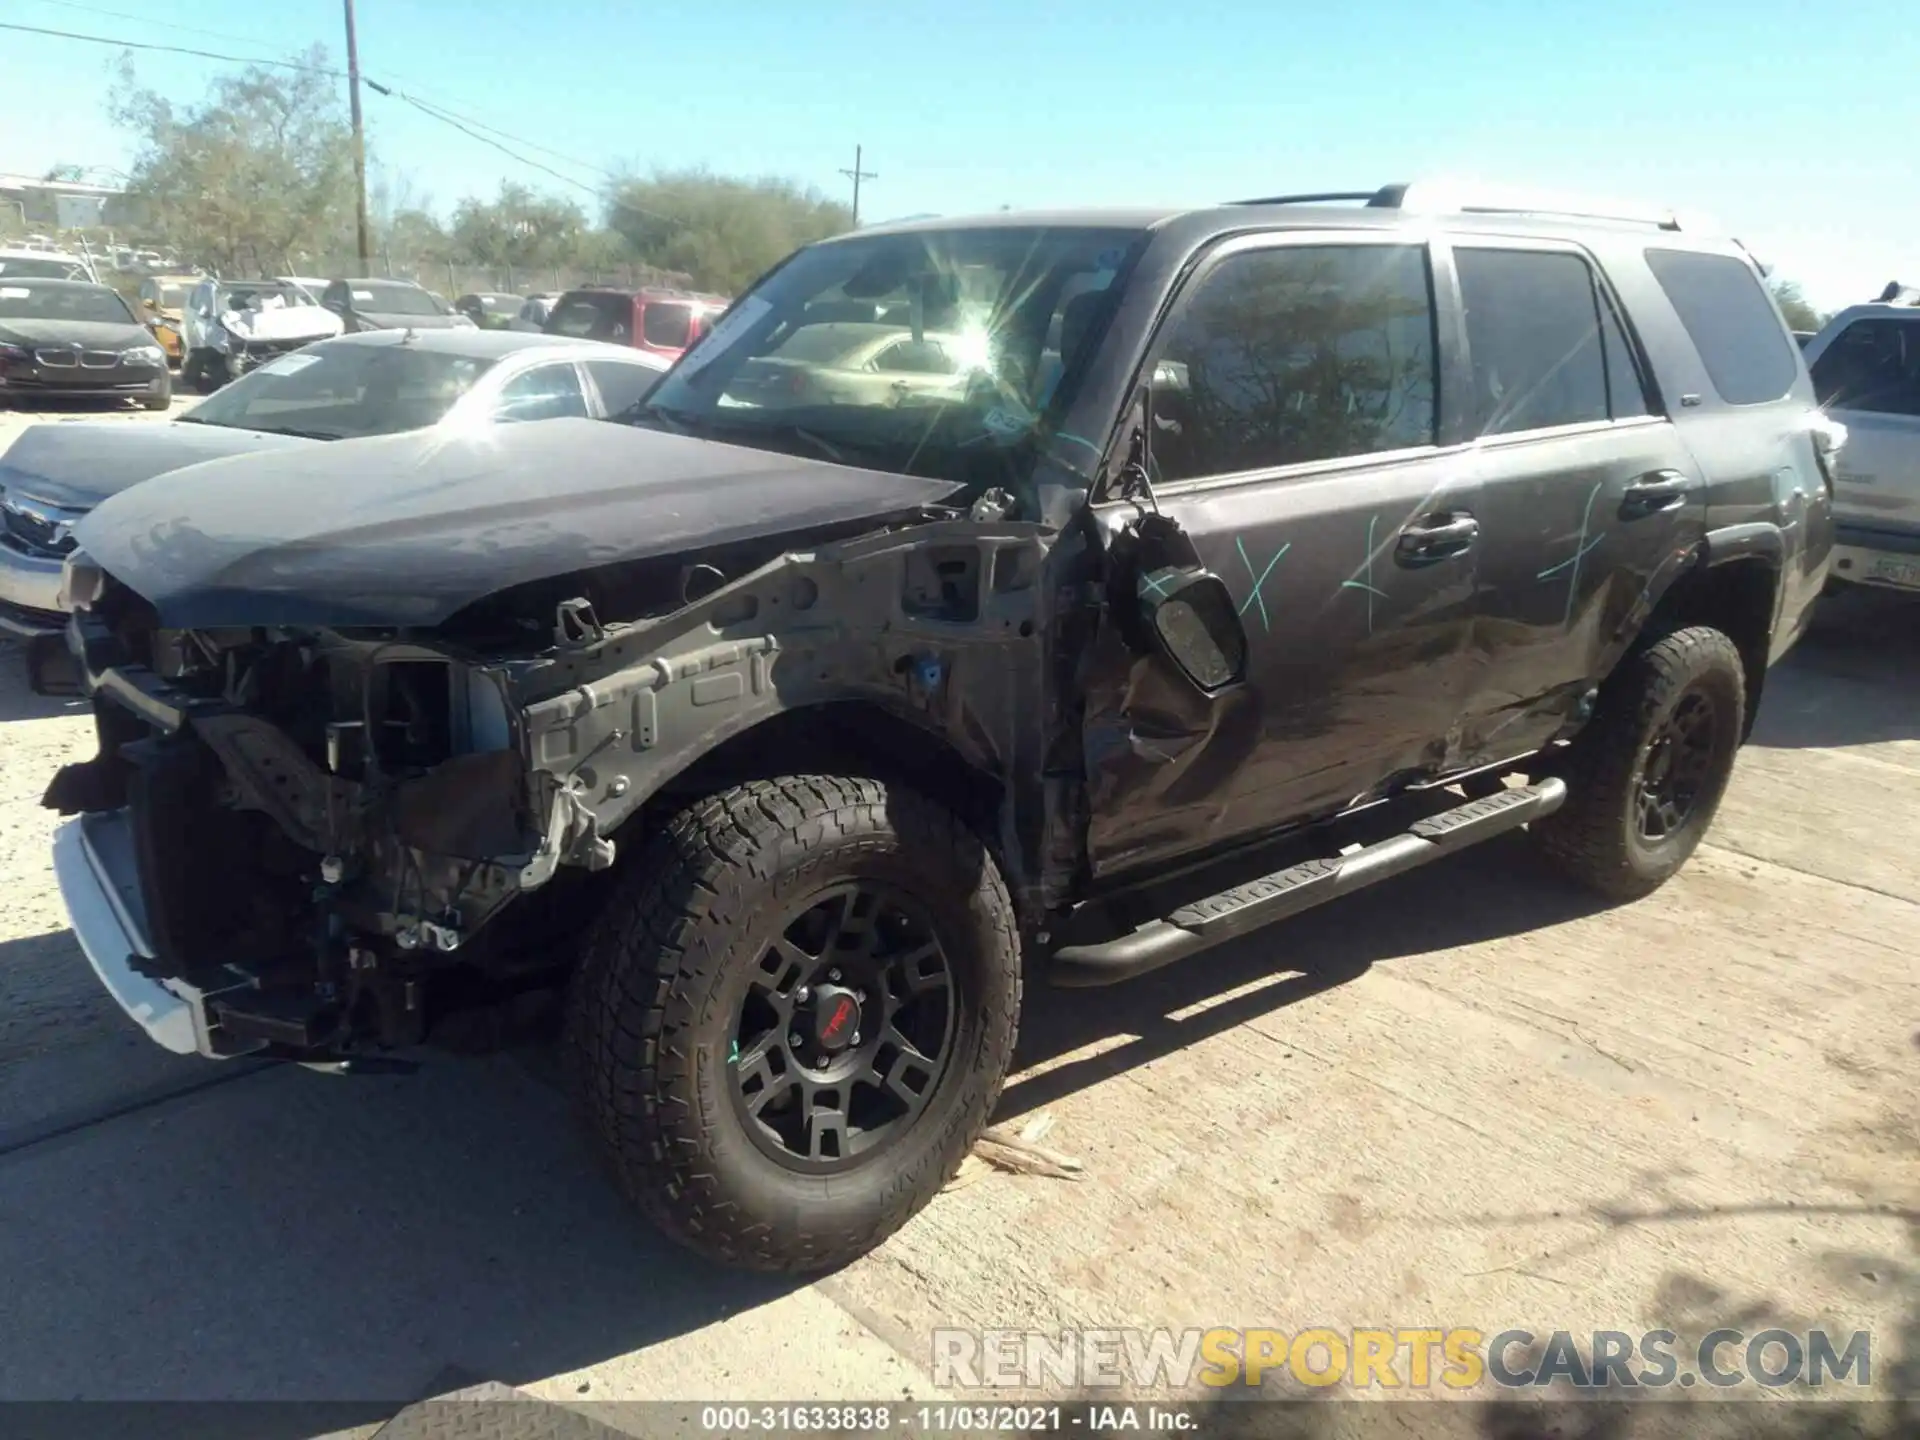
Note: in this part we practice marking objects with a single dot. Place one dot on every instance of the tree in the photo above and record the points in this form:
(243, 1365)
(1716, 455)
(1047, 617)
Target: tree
(721, 230)
(64, 171)
(518, 228)
(261, 168)
(1794, 305)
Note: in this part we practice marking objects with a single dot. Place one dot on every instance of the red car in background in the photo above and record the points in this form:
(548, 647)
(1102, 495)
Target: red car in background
(664, 322)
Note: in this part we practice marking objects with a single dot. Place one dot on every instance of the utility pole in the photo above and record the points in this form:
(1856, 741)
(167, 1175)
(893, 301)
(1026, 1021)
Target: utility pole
(856, 174)
(359, 147)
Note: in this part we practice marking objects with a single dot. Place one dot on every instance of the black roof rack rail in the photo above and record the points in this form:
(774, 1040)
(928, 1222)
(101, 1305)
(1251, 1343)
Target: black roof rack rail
(1441, 197)
(1323, 198)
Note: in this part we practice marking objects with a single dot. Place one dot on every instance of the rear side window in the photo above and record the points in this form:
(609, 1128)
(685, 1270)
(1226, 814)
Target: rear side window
(621, 386)
(1544, 341)
(546, 392)
(1295, 354)
(1748, 354)
(668, 326)
(1871, 366)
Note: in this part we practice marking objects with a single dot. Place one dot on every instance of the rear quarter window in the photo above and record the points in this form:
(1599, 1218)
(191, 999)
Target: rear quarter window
(668, 326)
(1747, 351)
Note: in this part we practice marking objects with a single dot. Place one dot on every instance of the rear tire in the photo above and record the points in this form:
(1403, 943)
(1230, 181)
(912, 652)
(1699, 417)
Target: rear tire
(1646, 776)
(672, 1048)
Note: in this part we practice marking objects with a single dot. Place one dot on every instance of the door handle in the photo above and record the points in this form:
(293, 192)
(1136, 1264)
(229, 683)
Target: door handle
(1654, 493)
(1435, 539)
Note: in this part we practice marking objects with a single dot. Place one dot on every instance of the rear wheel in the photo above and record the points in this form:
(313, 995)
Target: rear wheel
(1646, 776)
(791, 1026)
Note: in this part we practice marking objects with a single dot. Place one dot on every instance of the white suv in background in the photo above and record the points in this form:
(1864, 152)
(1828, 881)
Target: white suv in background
(1866, 372)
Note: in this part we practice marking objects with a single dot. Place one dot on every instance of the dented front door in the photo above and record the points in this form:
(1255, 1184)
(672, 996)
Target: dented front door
(1350, 554)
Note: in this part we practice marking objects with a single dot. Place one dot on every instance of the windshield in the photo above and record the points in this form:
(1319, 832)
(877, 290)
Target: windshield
(18, 267)
(340, 391)
(936, 352)
(62, 302)
(265, 295)
(393, 300)
(171, 297)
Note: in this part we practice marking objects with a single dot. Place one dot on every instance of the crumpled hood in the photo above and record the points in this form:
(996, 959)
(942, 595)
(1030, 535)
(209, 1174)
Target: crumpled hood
(409, 529)
(92, 334)
(283, 322)
(76, 464)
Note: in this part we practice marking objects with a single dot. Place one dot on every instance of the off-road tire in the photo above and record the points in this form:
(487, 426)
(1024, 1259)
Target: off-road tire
(651, 1014)
(1595, 837)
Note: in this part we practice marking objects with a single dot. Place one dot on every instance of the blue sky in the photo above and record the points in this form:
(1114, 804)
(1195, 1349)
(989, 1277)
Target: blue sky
(1798, 128)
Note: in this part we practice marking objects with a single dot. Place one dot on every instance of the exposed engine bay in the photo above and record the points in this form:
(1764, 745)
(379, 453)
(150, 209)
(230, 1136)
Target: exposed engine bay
(344, 836)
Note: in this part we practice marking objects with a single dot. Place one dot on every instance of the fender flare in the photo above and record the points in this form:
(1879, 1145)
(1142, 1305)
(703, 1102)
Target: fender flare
(1756, 540)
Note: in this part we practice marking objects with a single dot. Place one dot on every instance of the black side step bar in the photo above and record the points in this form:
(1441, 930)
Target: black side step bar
(1234, 912)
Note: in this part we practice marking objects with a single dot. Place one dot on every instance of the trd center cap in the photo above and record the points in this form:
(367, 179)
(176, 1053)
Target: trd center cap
(836, 1018)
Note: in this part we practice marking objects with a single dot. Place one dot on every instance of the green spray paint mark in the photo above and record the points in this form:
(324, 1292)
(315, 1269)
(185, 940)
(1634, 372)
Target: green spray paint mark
(1580, 548)
(1256, 598)
(1367, 584)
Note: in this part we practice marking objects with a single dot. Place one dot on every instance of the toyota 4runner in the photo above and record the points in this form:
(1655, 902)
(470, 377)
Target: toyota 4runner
(1253, 555)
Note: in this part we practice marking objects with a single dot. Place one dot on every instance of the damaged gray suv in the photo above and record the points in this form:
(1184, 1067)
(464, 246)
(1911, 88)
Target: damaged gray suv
(1159, 576)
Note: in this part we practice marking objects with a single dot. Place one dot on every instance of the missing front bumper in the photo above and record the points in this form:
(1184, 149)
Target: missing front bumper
(93, 861)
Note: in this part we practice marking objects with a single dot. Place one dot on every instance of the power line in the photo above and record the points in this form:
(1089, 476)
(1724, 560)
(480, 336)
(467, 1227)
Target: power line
(119, 44)
(439, 100)
(453, 117)
(446, 119)
(159, 24)
(436, 112)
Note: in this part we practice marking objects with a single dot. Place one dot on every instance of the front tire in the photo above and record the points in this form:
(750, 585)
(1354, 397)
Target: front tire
(791, 1026)
(1646, 776)
(209, 370)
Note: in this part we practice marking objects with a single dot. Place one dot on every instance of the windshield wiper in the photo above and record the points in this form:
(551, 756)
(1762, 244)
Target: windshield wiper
(749, 431)
(641, 411)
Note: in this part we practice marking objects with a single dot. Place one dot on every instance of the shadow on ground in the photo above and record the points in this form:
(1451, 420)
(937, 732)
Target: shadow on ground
(17, 701)
(284, 1235)
(1497, 888)
(1854, 678)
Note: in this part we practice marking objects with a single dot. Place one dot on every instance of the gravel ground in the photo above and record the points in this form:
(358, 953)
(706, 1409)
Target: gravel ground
(1472, 1097)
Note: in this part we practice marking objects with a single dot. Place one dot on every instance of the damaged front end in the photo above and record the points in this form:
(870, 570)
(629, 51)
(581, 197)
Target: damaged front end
(282, 828)
(307, 841)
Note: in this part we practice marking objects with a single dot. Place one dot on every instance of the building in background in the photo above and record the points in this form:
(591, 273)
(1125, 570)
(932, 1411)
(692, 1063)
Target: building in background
(30, 203)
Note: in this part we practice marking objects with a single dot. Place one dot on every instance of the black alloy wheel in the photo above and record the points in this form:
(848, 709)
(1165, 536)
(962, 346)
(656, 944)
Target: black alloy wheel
(846, 1028)
(1682, 761)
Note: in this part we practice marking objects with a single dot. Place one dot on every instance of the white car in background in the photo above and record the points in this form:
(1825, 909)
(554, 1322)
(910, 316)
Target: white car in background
(1866, 373)
(230, 326)
(29, 263)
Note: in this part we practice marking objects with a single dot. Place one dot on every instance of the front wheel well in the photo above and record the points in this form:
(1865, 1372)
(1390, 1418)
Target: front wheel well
(845, 738)
(1738, 599)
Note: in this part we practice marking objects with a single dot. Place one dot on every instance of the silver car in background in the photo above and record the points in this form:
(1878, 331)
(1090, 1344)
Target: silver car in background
(1866, 372)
